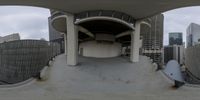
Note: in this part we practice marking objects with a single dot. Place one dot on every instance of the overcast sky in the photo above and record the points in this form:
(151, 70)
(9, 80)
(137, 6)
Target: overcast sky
(179, 19)
(32, 22)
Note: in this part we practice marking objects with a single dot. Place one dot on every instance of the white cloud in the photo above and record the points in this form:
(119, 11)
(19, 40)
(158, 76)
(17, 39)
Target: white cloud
(30, 22)
(179, 19)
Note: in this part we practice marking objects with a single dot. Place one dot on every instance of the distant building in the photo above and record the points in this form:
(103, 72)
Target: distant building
(175, 49)
(9, 38)
(174, 52)
(152, 38)
(55, 36)
(193, 34)
(176, 38)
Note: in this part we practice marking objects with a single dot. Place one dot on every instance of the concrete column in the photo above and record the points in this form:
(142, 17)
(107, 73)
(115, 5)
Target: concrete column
(65, 42)
(135, 43)
(72, 41)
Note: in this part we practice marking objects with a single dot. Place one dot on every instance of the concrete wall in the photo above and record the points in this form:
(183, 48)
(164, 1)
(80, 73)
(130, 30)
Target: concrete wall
(21, 60)
(100, 49)
(192, 60)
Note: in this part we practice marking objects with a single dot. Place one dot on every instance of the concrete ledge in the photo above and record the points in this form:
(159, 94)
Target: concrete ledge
(105, 18)
(18, 85)
(44, 73)
(151, 60)
(168, 79)
(50, 63)
(186, 85)
(192, 85)
(155, 66)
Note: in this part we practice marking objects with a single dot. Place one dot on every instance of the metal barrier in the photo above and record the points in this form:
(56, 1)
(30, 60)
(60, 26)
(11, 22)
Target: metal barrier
(23, 59)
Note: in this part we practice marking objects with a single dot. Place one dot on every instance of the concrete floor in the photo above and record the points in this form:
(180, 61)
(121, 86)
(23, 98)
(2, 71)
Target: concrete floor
(101, 79)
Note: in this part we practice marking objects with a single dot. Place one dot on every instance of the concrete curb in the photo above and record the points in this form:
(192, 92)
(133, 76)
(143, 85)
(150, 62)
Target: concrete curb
(44, 73)
(18, 85)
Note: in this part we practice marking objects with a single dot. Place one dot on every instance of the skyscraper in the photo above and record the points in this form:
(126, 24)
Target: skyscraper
(175, 38)
(193, 34)
(152, 37)
(174, 52)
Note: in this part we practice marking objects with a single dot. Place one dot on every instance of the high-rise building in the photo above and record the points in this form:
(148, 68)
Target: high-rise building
(152, 38)
(174, 52)
(175, 49)
(193, 34)
(176, 38)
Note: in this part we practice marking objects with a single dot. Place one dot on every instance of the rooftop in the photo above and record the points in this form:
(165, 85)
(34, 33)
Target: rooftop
(97, 79)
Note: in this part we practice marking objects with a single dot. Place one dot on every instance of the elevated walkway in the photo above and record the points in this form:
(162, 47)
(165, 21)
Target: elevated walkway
(101, 79)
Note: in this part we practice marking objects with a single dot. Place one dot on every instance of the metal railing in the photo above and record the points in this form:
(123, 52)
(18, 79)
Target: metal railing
(23, 59)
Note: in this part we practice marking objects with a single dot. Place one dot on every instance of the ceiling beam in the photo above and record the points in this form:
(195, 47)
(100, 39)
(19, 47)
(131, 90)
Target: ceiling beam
(87, 32)
(123, 34)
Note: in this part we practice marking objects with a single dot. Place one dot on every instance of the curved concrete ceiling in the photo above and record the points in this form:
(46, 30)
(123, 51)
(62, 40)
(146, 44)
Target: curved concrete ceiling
(137, 8)
(105, 27)
(59, 24)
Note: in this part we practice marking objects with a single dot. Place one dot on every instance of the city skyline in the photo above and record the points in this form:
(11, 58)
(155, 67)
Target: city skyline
(179, 19)
(29, 22)
(174, 21)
